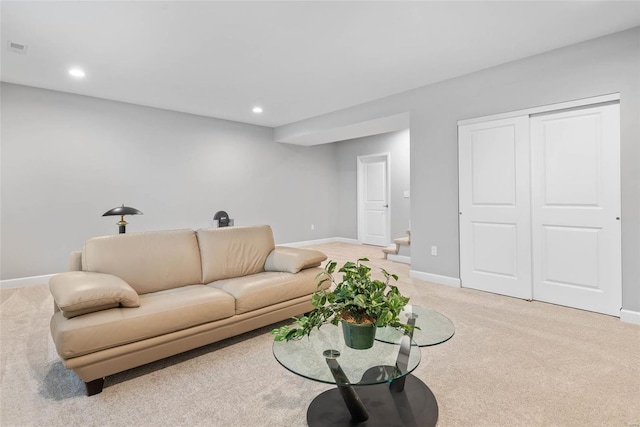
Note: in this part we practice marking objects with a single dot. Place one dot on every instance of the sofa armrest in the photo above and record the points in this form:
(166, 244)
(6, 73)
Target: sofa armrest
(82, 292)
(292, 260)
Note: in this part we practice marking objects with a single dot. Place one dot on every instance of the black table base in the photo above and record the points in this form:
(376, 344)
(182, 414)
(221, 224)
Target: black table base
(415, 406)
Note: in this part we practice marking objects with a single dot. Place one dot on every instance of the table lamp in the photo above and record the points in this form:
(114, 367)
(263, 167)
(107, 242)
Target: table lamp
(122, 211)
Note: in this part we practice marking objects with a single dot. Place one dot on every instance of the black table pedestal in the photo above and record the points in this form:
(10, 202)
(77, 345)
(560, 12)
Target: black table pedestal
(414, 406)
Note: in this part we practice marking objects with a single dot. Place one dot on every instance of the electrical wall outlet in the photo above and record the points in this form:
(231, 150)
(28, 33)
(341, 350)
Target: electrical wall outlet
(313, 227)
(434, 250)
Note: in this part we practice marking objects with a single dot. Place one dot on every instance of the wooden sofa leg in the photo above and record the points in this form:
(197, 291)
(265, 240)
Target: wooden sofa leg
(94, 387)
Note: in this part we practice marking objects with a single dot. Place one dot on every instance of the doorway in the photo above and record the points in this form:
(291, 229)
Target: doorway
(373, 194)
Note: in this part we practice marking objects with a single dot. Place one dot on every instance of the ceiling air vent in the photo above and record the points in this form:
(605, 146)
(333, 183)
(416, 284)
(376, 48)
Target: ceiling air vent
(17, 47)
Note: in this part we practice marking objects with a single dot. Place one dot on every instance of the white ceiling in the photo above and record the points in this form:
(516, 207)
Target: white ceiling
(295, 59)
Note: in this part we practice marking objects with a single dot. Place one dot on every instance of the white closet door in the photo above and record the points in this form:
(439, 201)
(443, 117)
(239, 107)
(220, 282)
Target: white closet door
(495, 225)
(576, 208)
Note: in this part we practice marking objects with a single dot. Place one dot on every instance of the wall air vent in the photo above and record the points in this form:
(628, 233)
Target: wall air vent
(17, 47)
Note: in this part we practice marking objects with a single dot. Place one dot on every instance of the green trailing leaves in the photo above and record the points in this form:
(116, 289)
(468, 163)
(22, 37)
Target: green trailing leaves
(357, 297)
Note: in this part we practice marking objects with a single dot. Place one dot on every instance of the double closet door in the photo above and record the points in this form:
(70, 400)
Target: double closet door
(540, 207)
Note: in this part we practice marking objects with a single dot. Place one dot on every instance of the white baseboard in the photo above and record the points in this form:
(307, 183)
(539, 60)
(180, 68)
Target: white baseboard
(25, 281)
(630, 316)
(320, 241)
(434, 278)
(345, 240)
(399, 258)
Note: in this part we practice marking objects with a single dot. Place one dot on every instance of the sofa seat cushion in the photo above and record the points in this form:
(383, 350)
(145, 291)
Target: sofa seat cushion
(159, 313)
(268, 288)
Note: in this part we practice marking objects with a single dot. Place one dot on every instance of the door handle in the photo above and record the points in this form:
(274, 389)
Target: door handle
(385, 206)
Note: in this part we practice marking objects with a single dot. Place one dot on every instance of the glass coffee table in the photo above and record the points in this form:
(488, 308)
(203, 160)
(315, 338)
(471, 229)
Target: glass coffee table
(374, 386)
(435, 328)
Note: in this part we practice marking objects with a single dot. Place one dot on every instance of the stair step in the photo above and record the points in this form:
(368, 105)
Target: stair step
(402, 241)
(393, 249)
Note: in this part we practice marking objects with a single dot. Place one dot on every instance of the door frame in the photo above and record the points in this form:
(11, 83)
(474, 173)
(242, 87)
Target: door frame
(360, 193)
(583, 102)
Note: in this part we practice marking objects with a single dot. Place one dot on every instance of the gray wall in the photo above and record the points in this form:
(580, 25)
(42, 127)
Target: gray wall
(600, 66)
(60, 153)
(395, 143)
(66, 159)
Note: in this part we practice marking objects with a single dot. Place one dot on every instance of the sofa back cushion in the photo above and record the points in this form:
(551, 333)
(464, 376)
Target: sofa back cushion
(234, 251)
(148, 261)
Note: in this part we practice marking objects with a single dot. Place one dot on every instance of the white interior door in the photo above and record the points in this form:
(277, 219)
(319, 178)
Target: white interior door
(495, 228)
(373, 196)
(576, 233)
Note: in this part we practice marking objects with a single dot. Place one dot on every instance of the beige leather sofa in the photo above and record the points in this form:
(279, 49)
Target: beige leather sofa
(131, 299)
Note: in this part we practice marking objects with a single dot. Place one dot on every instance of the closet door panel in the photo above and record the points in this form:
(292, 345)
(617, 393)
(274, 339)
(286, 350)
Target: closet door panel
(575, 205)
(495, 248)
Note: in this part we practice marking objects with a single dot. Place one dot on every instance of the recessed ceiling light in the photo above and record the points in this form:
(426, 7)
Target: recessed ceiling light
(257, 110)
(77, 72)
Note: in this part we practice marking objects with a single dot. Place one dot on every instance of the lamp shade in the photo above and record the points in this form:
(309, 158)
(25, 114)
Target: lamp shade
(122, 210)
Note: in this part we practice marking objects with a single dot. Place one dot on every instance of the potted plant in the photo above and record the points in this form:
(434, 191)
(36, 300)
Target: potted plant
(361, 303)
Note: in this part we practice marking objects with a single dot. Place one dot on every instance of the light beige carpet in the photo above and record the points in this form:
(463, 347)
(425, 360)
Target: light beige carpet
(510, 363)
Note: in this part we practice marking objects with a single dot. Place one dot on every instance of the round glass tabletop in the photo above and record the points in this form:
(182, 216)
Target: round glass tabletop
(323, 353)
(435, 328)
